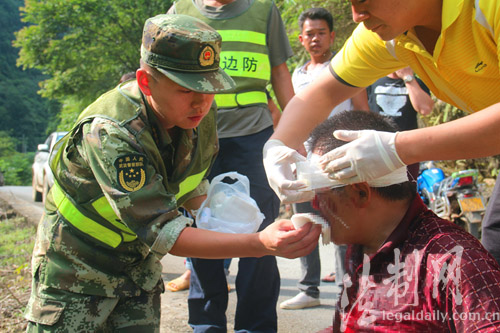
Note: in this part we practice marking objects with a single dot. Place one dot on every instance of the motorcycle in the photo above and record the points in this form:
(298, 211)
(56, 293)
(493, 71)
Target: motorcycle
(456, 198)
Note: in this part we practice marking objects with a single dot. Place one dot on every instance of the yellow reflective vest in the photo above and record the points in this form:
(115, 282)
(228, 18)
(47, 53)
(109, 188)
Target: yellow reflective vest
(245, 55)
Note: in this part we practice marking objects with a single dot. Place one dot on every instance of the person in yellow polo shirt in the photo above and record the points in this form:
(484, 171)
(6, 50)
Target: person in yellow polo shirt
(452, 45)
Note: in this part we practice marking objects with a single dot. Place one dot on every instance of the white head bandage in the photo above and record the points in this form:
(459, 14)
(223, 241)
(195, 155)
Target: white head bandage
(310, 172)
(398, 176)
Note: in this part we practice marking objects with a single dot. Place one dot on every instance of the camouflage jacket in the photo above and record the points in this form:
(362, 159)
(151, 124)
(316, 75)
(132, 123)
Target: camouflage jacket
(116, 150)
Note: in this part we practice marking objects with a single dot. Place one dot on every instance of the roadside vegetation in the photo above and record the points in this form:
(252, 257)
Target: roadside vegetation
(15, 166)
(17, 237)
(58, 59)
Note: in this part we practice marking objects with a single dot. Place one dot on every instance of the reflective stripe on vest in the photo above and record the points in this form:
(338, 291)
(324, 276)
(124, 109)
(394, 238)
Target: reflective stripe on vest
(240, 99)
(244, 36)
(104, 209)
(96, 230)
(245, 53)
(190, 183)
(244, 64)
(82, 222)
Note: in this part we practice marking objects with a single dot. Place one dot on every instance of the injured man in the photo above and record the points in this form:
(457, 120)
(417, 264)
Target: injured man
(407, 269)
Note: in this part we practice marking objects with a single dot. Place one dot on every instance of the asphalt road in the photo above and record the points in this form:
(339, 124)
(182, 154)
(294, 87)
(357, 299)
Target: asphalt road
(174, 305)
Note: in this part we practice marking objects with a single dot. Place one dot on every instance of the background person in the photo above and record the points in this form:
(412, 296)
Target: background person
(403, 261)
(452, 45)
(136, 155)
(317, 36)
(254, 52)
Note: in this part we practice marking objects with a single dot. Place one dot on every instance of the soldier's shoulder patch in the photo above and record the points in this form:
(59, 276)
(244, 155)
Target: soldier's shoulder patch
(131, 171)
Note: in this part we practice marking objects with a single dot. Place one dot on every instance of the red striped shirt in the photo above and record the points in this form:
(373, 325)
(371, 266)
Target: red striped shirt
(429, 276)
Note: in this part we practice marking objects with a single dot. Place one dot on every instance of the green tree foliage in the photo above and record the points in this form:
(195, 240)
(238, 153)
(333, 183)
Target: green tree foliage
(7, 144)
(83, 46)
(23, 113)
(16, 167)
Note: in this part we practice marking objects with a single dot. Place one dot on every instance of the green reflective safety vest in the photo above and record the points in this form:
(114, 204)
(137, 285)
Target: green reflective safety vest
(97, 219)
(74, 214)
(244, 55)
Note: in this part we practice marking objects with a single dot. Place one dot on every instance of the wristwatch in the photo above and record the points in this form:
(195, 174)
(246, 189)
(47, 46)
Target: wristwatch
(408, 78)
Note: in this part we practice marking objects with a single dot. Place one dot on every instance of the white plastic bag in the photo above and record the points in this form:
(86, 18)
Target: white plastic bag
(229, 207)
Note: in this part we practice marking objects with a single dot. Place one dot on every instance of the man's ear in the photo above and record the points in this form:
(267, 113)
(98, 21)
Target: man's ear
(301, 39)
(361, 194)
(143, 81)
(332, 37)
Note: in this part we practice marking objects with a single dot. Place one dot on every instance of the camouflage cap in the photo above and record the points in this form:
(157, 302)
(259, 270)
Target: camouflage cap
(187, 51)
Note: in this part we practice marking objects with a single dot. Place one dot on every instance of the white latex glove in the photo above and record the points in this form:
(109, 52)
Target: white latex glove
(370, 155)
(278, 159)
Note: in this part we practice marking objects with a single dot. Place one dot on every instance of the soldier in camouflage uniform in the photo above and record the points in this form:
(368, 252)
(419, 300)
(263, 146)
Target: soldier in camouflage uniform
(136, 155)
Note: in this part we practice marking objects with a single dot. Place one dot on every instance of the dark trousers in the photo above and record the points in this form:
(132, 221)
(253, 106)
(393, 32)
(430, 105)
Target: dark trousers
(258, 279)
(490, 235)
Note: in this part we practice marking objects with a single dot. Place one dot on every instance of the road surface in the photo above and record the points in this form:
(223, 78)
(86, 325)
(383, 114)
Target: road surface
(174, 305)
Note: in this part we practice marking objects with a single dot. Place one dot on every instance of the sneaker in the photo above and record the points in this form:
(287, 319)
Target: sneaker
(301, 301)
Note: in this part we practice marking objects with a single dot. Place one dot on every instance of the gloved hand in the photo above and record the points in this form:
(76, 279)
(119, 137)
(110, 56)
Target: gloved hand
(370, 155)
(277, 162)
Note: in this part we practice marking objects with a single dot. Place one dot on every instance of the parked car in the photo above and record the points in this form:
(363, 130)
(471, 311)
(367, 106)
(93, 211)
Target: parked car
(42, 178)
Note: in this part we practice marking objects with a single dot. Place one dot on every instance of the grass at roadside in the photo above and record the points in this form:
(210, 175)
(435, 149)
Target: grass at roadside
(16, 244)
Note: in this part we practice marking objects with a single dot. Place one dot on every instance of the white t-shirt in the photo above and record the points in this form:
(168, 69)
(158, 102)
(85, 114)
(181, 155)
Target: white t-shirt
(301, 78)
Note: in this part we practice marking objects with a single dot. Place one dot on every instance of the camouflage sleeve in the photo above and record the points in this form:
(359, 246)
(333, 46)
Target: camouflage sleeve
(133, 187)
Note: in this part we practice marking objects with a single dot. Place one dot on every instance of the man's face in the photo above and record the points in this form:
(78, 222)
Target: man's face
(386, 18)
(316, 37)
(335, 207)
(175, 105)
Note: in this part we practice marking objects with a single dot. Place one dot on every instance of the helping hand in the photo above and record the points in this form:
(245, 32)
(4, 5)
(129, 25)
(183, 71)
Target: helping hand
(370, 155)
(277, 162)
(282, 239)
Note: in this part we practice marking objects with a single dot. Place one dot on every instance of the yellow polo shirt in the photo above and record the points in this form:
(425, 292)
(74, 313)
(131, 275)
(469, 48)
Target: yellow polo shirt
(463, 70)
